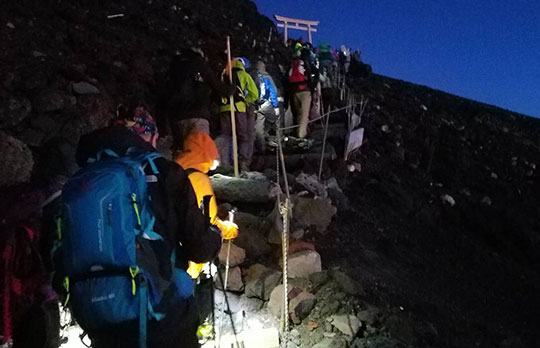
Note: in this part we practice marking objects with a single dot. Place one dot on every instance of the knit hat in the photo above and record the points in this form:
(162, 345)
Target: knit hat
(245, 62)
(141, 123)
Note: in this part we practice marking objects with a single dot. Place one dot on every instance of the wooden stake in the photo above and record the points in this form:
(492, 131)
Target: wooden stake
(233, 106)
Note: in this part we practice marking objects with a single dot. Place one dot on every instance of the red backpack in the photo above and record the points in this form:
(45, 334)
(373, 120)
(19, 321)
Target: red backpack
(297, 74)
(22, 267)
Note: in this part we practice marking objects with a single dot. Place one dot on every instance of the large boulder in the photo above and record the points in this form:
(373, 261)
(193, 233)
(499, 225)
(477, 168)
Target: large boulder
(274, 220)
(251, 235)
(301, 305)
(275, 303)
(237, 255)
(234, 280)
(304, 263)
(314, 213)
(349, 325)
(17, 161)
(312, 184)
(260, 281)
(230, 189)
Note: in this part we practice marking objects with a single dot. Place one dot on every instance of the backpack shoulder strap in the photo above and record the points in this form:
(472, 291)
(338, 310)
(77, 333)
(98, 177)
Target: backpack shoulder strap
(190, 171)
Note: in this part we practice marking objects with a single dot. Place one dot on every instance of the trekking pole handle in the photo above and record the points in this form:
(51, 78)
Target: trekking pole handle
(231, 214)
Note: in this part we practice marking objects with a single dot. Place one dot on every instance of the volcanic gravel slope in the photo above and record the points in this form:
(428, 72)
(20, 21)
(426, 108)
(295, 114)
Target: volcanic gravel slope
(443, 276)
(468, 271)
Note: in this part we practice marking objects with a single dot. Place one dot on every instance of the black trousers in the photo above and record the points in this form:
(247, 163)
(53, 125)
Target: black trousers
(177, 330)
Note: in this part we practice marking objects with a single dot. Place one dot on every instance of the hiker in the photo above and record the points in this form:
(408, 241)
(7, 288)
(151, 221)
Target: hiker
(344, 59)
(325, 55)
(327, 75)
(267, 114)
(191, 84)
(29, 306)
(300, 86)
(245, 95)
(356, 56)
(198, 156)
(129, 286)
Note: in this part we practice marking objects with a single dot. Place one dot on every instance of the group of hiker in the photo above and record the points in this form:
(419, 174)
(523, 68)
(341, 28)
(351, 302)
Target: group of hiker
(133, 229)
(313, 79)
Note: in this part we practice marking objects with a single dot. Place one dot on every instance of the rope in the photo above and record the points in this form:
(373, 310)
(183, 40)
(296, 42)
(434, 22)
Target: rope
(316, 119)
(285, 211)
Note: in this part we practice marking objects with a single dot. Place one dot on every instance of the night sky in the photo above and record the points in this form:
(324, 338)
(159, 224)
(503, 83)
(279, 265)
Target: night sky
(486, 50)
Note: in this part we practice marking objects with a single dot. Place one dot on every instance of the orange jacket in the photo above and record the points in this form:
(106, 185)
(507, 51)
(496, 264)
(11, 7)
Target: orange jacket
(199, 153)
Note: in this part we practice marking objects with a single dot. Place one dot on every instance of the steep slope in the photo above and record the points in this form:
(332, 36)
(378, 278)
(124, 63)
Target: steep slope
(465, 275)
(50, 45)
(470, 270)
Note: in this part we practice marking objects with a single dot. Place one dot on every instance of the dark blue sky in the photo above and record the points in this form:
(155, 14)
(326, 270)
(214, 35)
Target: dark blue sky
(480, 49)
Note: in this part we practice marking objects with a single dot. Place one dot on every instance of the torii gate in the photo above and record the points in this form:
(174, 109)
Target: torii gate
(298, 24)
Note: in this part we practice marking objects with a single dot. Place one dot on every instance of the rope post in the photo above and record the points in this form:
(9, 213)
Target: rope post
(231, 103)
(324, 145)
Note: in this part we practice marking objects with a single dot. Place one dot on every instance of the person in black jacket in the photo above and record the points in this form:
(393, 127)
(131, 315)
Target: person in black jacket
(192, 87)
(178, 220)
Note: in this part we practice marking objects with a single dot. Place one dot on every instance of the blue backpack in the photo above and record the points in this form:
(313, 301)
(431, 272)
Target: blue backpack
(108, 242)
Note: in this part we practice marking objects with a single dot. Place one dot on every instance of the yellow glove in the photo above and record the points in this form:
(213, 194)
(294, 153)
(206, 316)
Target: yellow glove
(195, 269)
(228, 229)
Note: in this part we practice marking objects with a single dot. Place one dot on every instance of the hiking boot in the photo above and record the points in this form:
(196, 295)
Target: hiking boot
(272, 141)
(305, 143)
(243, 167)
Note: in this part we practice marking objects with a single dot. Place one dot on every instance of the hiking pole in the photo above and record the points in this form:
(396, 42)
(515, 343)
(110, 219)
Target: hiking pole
(227, 261)
(224, 283)
(230, 314)
(233, 106)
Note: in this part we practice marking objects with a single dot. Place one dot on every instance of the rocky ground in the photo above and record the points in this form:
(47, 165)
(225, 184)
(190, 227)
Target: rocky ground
(432, 243)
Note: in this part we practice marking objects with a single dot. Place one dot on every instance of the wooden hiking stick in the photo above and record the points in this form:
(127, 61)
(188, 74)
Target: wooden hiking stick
(233, 106)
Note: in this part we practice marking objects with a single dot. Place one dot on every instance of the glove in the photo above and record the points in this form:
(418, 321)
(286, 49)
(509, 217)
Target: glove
(276, 111)
(228, 229)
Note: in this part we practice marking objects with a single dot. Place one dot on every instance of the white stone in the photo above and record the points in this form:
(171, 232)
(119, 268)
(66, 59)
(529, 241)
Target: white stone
(304, 263)
(447, 199)
(236, 257)
(234, 280)
(84, 88)
(348, 324)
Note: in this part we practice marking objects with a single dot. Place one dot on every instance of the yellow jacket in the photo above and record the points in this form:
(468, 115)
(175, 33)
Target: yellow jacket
(199, 153)
(246, 85)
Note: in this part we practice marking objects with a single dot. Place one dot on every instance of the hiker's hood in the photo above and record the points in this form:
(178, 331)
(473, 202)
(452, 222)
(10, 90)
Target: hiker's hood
(199, 153)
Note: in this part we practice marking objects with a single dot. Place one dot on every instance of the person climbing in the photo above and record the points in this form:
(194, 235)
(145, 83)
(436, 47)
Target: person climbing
(300, 85)
(267, 113)
(191, 85)
(29, 306)
(325, 54)
(327, 73)
(344, 59)
(152, 232)
(245, 94)
(199, 155)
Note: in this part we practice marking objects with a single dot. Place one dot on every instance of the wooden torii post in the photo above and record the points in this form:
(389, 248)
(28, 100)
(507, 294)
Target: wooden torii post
(298, 24)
